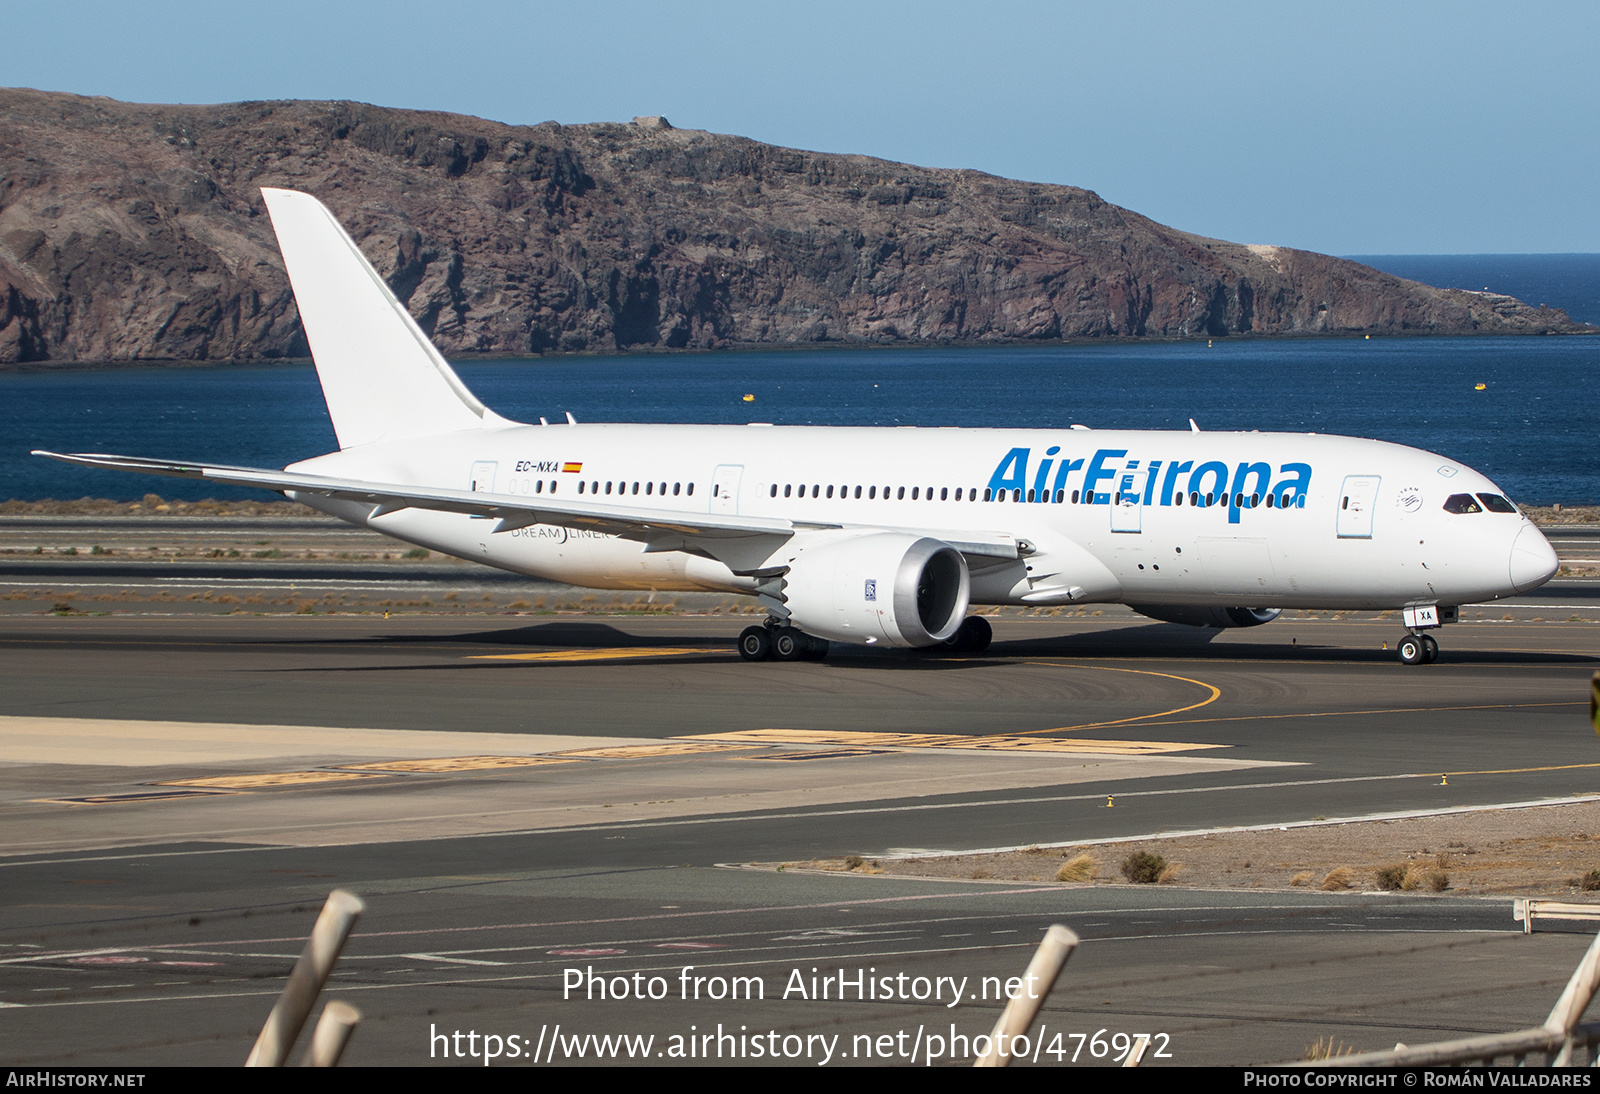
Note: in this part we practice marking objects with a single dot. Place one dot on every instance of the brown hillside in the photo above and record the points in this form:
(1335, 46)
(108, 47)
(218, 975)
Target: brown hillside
(131, 231)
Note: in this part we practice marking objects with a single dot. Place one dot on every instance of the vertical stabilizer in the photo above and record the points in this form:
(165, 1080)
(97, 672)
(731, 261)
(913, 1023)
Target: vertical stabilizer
(383, 379)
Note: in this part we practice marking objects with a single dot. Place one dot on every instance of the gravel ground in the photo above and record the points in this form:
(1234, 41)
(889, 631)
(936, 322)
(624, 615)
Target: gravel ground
(1541, 851)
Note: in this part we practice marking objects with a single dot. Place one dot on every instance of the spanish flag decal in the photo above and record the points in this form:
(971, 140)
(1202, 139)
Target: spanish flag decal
(571, 468)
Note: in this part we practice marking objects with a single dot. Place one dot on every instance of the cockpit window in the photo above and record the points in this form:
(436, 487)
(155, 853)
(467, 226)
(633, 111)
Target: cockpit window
(1496, 504)
(1461, 503)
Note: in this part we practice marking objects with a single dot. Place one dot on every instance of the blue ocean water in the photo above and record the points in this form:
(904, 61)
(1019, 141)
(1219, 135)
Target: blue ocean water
(1532, 429)
(1570, 281)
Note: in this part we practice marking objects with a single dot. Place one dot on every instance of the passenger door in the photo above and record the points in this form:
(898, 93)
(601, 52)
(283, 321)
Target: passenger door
(1356, 502)
(482, 482)
(1126, 508)
(725, 488)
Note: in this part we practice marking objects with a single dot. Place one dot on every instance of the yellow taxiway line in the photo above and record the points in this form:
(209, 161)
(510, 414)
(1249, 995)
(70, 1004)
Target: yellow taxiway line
(622, 653)
(1216, 693)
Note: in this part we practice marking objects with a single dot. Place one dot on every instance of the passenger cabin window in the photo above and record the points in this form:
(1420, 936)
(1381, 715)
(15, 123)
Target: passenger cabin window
(1461, 503)
(1496, 504)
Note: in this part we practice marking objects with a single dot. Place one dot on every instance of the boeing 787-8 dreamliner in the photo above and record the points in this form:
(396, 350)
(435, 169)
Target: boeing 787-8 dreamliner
(873, 536)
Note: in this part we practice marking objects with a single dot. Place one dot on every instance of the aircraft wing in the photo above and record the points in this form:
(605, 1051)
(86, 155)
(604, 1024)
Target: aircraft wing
(514, 510)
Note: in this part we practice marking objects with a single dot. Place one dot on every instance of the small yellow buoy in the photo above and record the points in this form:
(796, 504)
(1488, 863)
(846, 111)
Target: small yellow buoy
(749, 398)
(1480, 387)
(1368, 337)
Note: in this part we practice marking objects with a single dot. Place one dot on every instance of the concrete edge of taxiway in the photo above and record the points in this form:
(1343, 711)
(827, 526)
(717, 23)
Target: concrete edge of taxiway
(1283, 826)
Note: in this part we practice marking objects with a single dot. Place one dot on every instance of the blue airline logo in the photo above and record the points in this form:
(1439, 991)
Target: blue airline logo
(1110, 472)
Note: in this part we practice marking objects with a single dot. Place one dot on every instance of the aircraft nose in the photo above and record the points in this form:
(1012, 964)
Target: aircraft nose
(1533, 560)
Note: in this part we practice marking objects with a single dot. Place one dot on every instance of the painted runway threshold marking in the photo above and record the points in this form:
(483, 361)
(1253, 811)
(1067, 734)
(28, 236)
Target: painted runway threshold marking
(996, 743)
(645, 752)
(456, 763)
(277, 778)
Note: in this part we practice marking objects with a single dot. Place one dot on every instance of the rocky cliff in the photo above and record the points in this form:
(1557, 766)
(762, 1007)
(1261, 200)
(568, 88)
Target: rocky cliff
(136, 232)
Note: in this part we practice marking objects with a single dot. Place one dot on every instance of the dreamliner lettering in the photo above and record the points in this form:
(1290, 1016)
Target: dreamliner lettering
(1109, 475)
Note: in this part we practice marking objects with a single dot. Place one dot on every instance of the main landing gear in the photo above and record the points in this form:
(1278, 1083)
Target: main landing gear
(773, 641)
(1418, 649)
(780, 643)
(973, 636)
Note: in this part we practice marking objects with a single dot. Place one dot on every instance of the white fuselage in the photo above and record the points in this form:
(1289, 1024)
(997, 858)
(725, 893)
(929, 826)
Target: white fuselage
(1294, 520)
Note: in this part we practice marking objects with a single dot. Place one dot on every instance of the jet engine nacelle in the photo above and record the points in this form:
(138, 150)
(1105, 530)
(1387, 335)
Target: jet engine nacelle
(1195, 616)
(883, 588)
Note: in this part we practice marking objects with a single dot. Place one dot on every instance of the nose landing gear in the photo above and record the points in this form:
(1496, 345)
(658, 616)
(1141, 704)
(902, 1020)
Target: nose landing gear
(1418, 649)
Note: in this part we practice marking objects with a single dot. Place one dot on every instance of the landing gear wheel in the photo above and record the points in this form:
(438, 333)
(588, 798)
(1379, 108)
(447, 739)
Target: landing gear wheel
(1412, 650)
(788, 644)
(814, 648)
(973, 636)
(755, 644)
(1430, 650)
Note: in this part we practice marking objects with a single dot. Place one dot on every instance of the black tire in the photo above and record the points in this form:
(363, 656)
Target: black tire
(788, 644)
(815, 648)
(1412, 650)
(973, 636)
(755, 644)
(979, 633)
(1430, 652)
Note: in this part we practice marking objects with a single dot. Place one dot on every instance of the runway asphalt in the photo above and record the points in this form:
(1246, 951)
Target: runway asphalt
(174, 786)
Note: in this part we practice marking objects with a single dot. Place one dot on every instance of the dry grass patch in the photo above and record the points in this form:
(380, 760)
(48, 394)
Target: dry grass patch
(1326, 1048)
(1340, 877)
(1080, 867)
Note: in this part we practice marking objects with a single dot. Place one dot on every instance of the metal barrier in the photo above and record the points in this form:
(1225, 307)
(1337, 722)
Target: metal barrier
(1527, 909)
